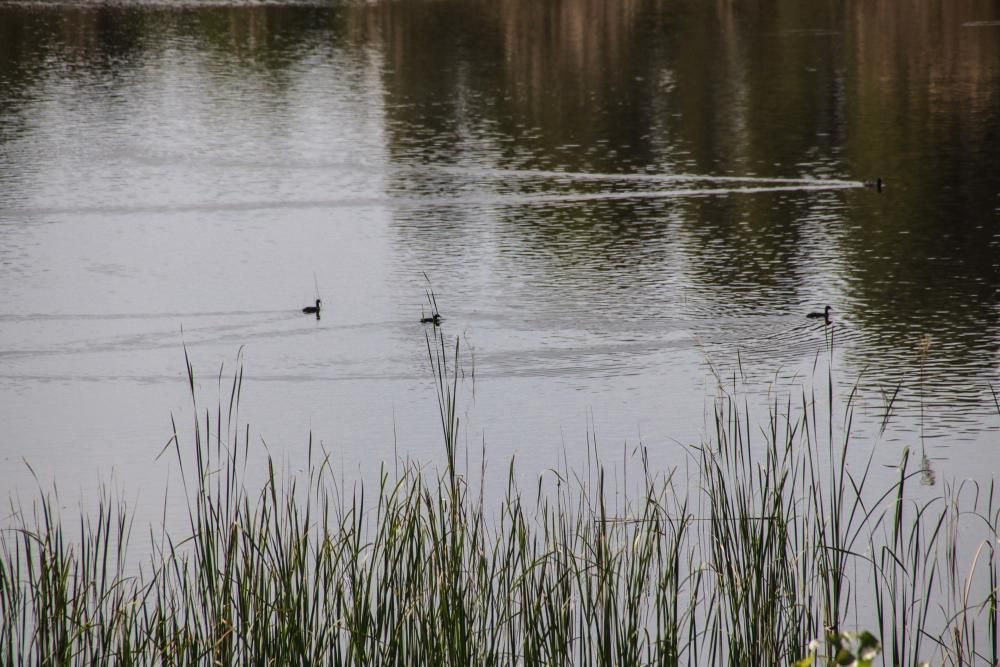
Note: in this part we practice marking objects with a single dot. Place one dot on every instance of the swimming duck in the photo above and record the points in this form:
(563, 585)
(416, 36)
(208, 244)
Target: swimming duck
(309, 310)
(825, 314)
(875, 185)
(434, 319)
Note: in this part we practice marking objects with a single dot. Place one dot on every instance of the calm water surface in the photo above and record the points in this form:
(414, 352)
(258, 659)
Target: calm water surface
(619, 205)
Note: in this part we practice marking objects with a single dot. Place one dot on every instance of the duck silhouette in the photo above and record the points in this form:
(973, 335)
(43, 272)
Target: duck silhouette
(875, 184)
(825, 314)
(434, 319)
(309, 310)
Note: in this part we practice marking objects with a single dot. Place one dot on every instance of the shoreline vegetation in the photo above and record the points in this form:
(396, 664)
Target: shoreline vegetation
(770, 550)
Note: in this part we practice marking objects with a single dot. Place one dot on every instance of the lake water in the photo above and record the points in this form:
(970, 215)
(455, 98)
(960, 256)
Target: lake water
(619, 206)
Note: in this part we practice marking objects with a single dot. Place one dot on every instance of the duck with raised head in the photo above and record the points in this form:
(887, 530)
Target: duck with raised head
(874, 184)
(825, 314)
(309, 310)
(434, 319)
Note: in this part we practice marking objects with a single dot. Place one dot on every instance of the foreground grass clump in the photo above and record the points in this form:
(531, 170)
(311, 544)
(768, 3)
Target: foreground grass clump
(772, 542)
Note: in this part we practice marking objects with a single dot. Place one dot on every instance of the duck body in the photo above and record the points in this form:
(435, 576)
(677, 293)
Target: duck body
(309, 310)
(434, 319)
(875, 184)
(825, 315)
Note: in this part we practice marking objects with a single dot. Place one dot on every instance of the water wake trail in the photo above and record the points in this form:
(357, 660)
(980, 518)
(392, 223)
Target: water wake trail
(753, 186)
(655, 178)
(662, 194)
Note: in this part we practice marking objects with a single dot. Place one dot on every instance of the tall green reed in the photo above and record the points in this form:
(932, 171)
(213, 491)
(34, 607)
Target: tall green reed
(776, 537)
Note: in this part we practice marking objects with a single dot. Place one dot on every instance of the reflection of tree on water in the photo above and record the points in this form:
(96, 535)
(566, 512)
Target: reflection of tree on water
(707, 89)
(475, 90)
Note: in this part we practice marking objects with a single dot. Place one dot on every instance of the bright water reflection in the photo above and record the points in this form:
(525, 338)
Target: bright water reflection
(617, 207)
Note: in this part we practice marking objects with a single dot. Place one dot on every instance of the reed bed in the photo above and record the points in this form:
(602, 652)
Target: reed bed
(771, 541)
